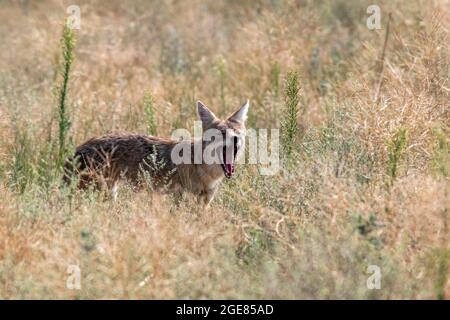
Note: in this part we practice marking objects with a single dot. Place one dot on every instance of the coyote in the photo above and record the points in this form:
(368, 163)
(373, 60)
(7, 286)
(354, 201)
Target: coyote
(107, 160)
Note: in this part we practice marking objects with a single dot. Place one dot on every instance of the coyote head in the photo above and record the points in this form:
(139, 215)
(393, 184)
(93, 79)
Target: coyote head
(223, 140)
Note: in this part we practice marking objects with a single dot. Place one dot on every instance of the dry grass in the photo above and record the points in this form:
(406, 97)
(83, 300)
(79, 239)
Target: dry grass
(312, 230)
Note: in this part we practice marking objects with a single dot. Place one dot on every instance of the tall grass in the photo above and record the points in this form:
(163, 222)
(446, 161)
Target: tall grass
(67, 46)
(21, 171)
(149, 113)
(289, 125)
(442, 258)
(440, 162)
(396, 148)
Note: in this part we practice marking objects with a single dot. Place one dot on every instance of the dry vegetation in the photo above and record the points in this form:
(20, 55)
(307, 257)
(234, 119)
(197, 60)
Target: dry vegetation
(367, 182)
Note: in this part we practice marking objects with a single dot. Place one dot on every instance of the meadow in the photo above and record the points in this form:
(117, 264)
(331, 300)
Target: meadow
(364, 116)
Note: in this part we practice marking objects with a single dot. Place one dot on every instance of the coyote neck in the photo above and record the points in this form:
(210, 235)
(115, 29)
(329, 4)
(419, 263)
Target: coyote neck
(198, 177)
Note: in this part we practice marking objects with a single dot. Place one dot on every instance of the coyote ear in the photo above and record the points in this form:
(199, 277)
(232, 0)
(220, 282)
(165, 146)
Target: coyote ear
(205, 114)
(241, 114)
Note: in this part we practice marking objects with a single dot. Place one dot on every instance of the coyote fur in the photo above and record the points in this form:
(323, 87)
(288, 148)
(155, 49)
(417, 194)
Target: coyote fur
(107, 160)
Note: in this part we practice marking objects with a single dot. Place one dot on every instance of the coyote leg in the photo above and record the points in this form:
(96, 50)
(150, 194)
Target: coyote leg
(207, 196)
(114, 191)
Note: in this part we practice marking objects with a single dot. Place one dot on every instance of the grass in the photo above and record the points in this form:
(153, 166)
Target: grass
(150, 114)
(67, 44)
(311, 231)
(396, 147)
(289, 126)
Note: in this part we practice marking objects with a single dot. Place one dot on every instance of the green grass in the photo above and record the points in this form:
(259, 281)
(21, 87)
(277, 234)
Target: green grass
(67, 46)
(289, 125)
(396, 148)
(150, 114)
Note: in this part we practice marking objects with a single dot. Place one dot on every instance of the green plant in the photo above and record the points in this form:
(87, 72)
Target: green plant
(367, 227)
(439, 265)
(67, 45)
(289, 126)
(254, 252)
(442, 274)
(44, 167)
(150, 113)
(440, 162)
(22, 172)
(396, 148)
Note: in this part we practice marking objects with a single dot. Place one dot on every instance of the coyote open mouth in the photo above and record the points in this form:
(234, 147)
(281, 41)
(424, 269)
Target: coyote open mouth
(229, 157)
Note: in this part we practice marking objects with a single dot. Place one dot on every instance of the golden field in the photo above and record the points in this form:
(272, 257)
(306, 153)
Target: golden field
(367, 183)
